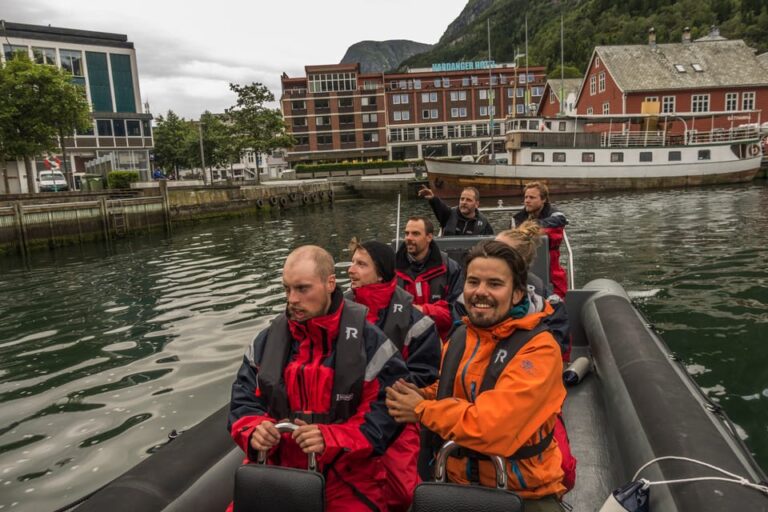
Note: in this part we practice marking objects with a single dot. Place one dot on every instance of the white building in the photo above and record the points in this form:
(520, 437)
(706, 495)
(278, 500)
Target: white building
(104, 64)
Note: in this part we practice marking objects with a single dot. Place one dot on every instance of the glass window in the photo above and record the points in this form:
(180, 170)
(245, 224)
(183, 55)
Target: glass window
(537, 156)
(617, 157)
(592, 85)
(370, 136)
(646, 156)
(588, 157)
(668, 104)
(299, 121)
(324, 139)
(483, 94)
(347, 137)
(349, 119)
(675, 156)
(44, 55)
(302, 140)
(298, 105)
(119, 127)
(72, 61)
(9, 50)
(563, 125)
(483, 111)
(345, 102)
(475, 80)
(704, 154)
(417, 83)
(465, 81)
(323, 120)
(437, 82)
(146, 128)
(700, 103)
(446, 82)
(425, 97)
(558, 156)
(133, 127)
(322, 104)
(601, 81)
(104, 127)
(606, 108)
(748, 101)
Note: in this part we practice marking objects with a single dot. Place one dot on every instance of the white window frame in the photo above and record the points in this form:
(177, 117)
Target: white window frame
(700, 103)
(601, 82)
(731, 98)
(592, 85)
(748, 100)
(668, 104)
(606, 107)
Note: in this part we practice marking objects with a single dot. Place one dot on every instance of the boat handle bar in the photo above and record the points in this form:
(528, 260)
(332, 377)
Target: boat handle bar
(284, 427)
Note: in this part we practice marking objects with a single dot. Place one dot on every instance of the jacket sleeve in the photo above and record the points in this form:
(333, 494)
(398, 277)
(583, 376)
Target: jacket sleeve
(528, 393)
(423, 349)
(441, 210)
(247, 409)
(371, 430)
(555, 220)
(488, 229)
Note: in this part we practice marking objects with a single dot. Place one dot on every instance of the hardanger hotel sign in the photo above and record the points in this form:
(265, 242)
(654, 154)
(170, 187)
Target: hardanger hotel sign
(464, 66)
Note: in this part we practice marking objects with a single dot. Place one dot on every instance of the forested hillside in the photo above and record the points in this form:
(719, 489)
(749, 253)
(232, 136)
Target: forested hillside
(588, 23)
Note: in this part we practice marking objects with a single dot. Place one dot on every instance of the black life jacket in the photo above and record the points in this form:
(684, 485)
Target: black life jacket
(397, 316)
(451, 227)
(350, 362)
(504, 351)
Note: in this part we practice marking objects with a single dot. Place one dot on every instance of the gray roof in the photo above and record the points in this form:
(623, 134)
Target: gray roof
(729, 63)
(763, 58)
(570, 85)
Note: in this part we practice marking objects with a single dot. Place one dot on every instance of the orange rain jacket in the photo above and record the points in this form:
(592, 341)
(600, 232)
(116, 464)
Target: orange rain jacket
(519, 411)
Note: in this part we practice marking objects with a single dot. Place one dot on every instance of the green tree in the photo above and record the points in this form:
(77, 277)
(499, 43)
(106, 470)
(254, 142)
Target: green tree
(39, 107)
(172, 135)
(215, 132)
(256, 126)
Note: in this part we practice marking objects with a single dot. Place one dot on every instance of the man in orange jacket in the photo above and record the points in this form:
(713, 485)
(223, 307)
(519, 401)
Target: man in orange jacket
(500, 386)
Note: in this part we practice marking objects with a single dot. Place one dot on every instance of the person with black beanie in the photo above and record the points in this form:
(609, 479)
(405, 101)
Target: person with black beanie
(374, 284)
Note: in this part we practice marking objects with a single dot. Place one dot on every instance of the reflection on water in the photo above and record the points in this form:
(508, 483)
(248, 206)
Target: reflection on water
(102, 354)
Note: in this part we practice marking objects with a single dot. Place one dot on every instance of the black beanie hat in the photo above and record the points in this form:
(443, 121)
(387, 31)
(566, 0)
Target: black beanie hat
(383, 257)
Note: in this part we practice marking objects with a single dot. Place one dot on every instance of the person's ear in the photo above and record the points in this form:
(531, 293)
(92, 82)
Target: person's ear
(517, 296)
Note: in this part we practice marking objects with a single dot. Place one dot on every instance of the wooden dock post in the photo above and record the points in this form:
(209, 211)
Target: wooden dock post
(166, 205)
(21, 230)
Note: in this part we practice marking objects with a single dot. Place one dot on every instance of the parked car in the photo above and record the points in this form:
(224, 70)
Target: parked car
(51, 181)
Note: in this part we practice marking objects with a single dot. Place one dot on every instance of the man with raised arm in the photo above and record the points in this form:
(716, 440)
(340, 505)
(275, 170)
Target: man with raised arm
(321, 365)
(464, 219)
(427, 273)
(552, 221)
(500, 387)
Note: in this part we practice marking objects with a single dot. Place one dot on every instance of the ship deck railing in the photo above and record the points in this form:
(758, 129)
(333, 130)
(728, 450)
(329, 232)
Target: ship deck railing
(689, 138)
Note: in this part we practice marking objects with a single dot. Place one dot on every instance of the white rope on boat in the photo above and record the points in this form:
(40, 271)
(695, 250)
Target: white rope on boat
(737, 479)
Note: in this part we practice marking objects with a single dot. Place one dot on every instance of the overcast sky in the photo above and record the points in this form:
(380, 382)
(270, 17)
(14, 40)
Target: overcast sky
(189, 53)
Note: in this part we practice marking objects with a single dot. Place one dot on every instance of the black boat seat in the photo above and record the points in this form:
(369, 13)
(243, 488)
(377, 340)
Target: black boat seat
(440, 496)
(260, 487)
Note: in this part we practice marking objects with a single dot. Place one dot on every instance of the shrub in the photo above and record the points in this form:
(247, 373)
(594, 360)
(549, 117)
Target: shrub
(344, 166)
(122, 179)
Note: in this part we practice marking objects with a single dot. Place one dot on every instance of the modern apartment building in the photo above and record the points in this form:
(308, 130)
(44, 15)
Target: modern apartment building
(104, 64)
(337, 113)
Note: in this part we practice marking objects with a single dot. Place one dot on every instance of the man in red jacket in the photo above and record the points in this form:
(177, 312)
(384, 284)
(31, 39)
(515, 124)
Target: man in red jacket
(434, 279)
(390, 308)
(552, 221)
(323, 366)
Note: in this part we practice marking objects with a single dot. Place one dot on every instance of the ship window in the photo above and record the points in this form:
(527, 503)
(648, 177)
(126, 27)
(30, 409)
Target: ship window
(588, 157)
(675, 156)
(704, 154)
(562, 126)
(558, 157)
(617, 157)
(646, 156)
(537, 156)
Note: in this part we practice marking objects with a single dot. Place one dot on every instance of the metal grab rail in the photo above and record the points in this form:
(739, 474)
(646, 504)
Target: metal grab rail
(283, 428)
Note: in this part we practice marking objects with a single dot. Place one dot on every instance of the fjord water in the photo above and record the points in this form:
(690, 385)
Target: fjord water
(104, 351)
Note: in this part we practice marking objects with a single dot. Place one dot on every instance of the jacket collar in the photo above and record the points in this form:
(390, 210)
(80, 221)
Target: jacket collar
(376, 297)
(328, 323)
(506, 327)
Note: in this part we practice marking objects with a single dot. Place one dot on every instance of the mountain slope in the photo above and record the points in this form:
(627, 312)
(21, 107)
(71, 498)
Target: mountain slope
(587, 23)
(380, 56)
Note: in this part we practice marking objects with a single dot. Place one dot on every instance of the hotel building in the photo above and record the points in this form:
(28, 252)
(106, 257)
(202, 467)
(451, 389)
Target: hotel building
(104, 64)
(337, 113)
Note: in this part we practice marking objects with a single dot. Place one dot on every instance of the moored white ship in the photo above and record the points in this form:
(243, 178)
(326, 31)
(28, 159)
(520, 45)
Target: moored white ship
(596, 153)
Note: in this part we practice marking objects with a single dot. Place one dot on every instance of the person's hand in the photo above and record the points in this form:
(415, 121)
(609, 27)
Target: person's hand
(401, 402)
(308, 437)
(418, 307)
(264, 436)
(426, 192)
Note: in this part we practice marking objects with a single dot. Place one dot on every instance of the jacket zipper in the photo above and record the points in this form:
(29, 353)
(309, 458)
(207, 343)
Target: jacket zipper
(464, 371)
